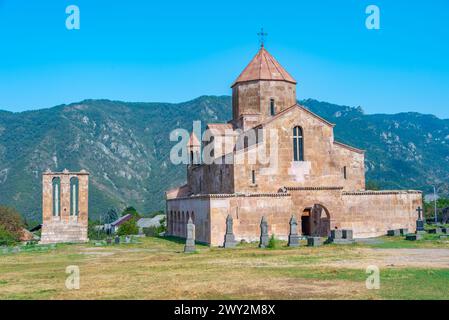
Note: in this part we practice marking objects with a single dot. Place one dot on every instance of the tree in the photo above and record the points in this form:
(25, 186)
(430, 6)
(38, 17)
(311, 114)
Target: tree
(128, 228)
(11, 225)
(132, 211)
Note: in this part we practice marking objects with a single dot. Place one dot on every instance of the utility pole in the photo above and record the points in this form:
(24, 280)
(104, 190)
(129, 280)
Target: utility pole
(435, 203)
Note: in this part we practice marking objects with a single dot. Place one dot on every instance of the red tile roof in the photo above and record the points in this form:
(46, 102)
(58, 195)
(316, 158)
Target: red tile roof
(193, 141)
(264, 67)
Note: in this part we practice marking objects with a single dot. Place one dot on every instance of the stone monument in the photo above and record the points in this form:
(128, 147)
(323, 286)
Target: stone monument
(293, 237)
(190, 240)
(420, 221)
(263, 233)
(229, 240)
(64, 206)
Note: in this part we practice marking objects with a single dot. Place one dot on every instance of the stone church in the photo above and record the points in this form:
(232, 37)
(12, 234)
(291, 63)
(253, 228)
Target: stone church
(315, 178)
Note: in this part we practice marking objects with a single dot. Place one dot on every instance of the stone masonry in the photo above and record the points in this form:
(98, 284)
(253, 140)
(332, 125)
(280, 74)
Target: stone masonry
(64, 206)
(316, 179)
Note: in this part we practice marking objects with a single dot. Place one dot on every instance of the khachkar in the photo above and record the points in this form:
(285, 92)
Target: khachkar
(293, 237)
(263, 233)
(65, 206)
(190, 240)
(229, 240)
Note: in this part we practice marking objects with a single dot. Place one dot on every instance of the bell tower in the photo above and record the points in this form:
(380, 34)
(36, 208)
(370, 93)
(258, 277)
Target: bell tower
(262, 90)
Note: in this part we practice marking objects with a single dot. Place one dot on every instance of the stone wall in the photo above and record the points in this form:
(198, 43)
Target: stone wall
(373, 213)
(324, 160)
(64, 227)
(254, 97)
(178, 212)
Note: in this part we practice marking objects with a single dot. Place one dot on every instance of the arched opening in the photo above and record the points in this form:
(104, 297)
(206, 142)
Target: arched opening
(315, 221)
(56, 183)
(74, 198)
(298, 144)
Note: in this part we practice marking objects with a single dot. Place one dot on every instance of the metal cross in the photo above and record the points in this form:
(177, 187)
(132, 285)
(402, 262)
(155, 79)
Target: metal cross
(419, 212)
(262, 35)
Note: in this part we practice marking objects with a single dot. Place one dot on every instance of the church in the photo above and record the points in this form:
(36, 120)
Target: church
(309, 175)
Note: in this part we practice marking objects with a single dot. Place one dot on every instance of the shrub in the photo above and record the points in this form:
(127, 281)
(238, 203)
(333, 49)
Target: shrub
(11, 225)
(154, 231)
(128, 228)
(94, 233)
(273, 242)
(6, 237)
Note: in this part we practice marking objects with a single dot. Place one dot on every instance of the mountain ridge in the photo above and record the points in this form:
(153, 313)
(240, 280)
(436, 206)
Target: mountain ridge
(125, 146)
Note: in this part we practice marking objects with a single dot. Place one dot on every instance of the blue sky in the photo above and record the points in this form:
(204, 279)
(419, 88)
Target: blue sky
(178, 50)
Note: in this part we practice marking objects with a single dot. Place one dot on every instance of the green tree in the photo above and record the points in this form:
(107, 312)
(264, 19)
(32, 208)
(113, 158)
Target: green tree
(128, 228)
(11, 225)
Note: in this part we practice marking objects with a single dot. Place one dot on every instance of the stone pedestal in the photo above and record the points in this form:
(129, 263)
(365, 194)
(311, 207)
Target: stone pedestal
(393, 233)
(403, 231)
(413, 237)
(419, 225)
(313, 241)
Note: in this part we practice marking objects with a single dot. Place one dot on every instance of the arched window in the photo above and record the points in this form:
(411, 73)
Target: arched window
(56, 196)
(191, 157)
(272, 107)
(298, 144)
(74, 209)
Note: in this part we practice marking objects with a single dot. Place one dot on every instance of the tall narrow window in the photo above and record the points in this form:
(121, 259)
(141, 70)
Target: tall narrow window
(191, 157)
(74, 196)
(345, 172)
(253, 177)
(272, 107)
(298, 144)
(56, 196)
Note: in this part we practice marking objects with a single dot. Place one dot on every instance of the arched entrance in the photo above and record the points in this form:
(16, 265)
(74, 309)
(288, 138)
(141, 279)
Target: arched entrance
(316, 222)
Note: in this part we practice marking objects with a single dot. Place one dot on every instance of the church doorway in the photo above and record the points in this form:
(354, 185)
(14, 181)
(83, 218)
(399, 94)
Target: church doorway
(315, 221)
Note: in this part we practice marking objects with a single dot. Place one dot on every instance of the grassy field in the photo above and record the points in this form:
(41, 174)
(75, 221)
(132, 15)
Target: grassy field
(156, 268)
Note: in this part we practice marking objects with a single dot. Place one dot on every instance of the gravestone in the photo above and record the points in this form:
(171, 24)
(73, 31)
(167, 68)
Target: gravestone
(420, 221)
(127, 239)
(413, 237)
(337, 234)
(348, 234)
(117, 240)
(190, 240)
(313, 241)
(403, 231)
(432, 231)
(394, 233)
(445, 230)
(263, 233)
(293, 237)
(229, 240)
(108, 240)
(341, 237)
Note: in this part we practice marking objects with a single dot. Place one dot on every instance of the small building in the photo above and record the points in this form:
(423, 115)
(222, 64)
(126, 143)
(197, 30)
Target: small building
(150, 222)
(113, 227)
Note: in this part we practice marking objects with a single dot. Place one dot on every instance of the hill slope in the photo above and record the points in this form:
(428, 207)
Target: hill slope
(126, 148)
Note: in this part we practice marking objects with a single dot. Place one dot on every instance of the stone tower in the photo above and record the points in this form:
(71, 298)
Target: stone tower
(194, 150)
(262, 90)
(64, 206)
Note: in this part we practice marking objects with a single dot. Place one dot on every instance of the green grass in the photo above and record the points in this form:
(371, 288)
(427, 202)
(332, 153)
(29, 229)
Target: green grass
(156, 268)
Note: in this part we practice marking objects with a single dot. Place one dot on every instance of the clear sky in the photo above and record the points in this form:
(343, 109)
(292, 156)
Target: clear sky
(175, 51)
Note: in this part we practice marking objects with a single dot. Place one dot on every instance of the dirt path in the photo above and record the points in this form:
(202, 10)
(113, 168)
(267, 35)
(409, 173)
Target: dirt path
(416, 258)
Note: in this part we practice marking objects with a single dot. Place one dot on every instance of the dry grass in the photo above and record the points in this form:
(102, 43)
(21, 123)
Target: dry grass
(157, 269)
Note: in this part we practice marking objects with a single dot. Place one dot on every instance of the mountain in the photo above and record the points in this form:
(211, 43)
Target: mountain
(125, 146)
